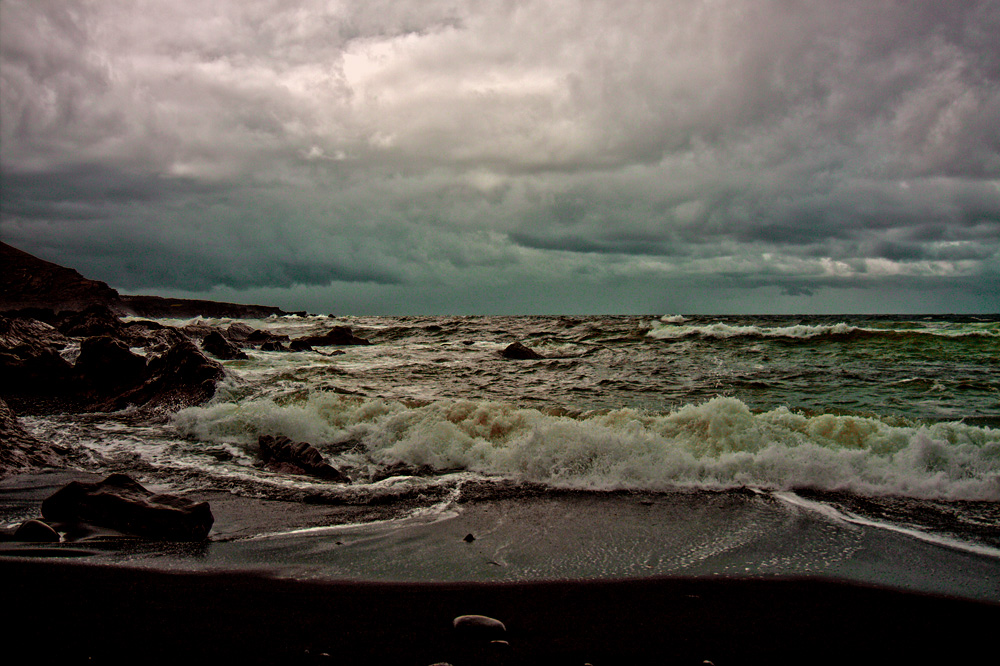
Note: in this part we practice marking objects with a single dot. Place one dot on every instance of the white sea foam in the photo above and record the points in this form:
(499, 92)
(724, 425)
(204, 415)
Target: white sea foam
(719, 443)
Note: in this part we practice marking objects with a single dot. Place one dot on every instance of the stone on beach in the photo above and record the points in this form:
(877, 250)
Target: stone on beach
(479, 628)
(122, 504)
(35, 531)
(283, 455)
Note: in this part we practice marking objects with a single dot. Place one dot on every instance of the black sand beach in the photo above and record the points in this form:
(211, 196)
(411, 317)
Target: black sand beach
(74, 613)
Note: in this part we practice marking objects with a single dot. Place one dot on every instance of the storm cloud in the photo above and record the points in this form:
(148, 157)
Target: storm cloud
(591, 156)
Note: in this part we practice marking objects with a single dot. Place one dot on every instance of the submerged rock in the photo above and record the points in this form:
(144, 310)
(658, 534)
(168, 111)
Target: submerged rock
(519, 352)
(281, 454)
(336, 336)
(120, 503)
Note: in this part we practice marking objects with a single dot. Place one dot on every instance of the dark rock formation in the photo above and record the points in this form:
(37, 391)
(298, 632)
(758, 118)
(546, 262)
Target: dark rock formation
(29, 282)
(94, 320)
(272, 346)
(518, 351)
(281, 454)
(180, 377)
(180, 308)
(106, 365)
(336, 336)
(299, 345)
(19, 451)
(219, 347)
(122, 504)
(29, 358)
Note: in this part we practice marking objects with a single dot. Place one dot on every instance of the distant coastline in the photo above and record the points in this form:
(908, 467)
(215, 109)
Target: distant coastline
(28, 283)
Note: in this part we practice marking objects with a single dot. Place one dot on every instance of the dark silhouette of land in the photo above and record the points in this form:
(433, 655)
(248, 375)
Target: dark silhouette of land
(28, 283)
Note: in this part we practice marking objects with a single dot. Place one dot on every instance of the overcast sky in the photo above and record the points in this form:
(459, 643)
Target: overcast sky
(469, 156)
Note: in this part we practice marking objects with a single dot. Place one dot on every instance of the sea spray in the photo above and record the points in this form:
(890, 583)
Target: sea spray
(720, 443)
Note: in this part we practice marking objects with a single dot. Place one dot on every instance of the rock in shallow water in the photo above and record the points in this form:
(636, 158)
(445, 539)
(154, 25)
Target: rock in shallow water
(281, 454)
(519, 352)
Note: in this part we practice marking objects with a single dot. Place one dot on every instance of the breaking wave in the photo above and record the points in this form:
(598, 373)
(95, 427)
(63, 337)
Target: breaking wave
(720, 443)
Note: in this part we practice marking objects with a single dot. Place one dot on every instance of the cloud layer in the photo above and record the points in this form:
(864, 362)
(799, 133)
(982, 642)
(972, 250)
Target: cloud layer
(596, 156)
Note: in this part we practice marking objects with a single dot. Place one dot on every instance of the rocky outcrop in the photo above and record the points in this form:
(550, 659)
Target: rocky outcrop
(335, 337)
(108, 376)
(29, 282)
(518, 351)
(182, 308)
(120, 503)
(180, 377)
(280, 454)
(19, 451)
(219, 347)
(94, 320)
(29, 357)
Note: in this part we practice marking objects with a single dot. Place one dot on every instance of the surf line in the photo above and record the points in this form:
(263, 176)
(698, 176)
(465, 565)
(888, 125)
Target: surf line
(835, 514)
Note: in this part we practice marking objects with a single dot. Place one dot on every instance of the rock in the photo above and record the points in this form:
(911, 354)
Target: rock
(19, 451)
(283, 455)
(108, 365)
(219, 347)
(519, 352)
(239, 332)
(468, 538)
(95, 320)
(479, 628)
(258, 336)
(180, 377)
(37, 532)
(299, 345)
(336, 336)
(272, 346)
(120, 503)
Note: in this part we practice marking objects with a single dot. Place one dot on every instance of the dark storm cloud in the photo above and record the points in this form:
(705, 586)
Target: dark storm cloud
(462, 148)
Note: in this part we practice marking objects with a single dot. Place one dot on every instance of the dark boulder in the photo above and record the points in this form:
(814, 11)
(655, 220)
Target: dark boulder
(336, 336)
(259, 337)
(299, 344)
(219, 347)
(37, 532)
(283, 455)
(519, 352)
(272, 346)
(107, 364)
(120, 503)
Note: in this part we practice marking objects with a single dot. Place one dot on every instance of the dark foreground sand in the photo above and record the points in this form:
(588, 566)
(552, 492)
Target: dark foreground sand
(73, 612)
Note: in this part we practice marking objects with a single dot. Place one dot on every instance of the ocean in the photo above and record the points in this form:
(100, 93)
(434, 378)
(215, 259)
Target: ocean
(859, 448)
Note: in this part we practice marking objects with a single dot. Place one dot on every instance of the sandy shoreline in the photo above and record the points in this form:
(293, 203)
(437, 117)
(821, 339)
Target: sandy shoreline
(161, 607)
(99, 614)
